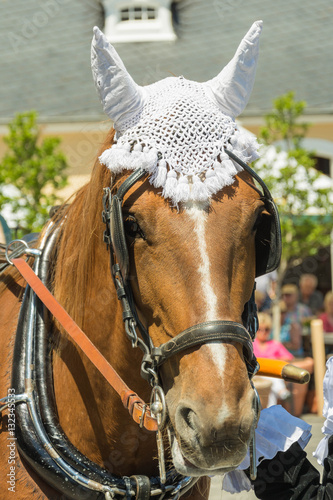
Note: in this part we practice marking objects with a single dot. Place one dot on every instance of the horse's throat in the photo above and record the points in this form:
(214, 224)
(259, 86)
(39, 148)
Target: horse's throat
(91, 413)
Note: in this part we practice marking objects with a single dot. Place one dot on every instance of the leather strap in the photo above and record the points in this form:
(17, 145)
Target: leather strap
(136, 406)
(142, 484)
(222, 331)
(275, 249)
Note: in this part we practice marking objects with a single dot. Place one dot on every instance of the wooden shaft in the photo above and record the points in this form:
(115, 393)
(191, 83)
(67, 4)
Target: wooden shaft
(281, 369)
(319, 358)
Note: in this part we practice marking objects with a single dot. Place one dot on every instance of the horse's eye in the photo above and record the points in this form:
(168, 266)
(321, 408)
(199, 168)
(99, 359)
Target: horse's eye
(132, 228)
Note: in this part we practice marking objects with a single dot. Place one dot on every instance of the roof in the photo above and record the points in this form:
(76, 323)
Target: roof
(45, 56)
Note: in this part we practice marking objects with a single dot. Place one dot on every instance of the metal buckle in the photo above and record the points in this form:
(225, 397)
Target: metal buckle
(142, 418)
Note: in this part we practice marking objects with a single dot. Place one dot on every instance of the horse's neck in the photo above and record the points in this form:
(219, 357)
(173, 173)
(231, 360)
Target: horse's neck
(90, 411)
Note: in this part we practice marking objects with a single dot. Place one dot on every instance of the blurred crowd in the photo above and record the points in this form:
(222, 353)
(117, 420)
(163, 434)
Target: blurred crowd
(298, 305)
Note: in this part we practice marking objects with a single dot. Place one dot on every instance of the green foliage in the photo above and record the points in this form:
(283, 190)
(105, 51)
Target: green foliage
(305, 210)
(35, 168)
(283, 122)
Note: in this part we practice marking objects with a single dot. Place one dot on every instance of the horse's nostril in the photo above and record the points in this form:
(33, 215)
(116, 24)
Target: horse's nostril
(189, 417)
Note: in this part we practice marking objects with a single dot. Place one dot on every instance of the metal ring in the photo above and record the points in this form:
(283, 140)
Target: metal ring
(33, 252)
(24, 243)
(154, 376)
(157, 395)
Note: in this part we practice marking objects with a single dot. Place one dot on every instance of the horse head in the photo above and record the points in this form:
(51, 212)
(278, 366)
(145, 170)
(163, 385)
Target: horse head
(189, 230)
(190, 267)
(189, 256)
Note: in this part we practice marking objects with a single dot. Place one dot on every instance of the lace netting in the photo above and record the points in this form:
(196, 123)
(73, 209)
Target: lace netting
(179, 136)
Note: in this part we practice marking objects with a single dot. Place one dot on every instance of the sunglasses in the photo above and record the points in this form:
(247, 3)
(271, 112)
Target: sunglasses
(266, 329)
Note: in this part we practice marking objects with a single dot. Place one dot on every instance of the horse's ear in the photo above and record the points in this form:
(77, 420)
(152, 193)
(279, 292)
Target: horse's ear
(233, 86)
(121, 97)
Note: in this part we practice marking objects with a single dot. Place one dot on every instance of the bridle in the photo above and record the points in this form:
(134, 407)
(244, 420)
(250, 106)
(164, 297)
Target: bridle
(210, 331)
(220, 330)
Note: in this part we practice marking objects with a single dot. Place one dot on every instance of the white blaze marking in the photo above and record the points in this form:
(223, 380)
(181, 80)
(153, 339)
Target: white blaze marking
(199, 217)
(218, 355)
(217, 351)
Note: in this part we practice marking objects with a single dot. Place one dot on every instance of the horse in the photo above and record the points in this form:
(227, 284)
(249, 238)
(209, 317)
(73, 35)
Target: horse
(188, 272)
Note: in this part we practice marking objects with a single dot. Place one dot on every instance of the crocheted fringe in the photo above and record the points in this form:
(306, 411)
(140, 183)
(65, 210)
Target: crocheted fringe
(177, 184)
(119, 158)
(245, 146)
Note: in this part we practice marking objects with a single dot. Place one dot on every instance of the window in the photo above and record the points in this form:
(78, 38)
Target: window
(137, 14)
(138, 21)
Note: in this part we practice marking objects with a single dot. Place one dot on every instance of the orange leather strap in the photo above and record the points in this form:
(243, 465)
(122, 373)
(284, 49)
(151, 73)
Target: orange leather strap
(137, 408)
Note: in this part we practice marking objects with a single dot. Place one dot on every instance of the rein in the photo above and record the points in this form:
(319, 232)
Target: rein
(131, 401)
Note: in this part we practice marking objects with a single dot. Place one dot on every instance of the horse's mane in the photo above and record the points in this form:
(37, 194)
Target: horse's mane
(81, 241)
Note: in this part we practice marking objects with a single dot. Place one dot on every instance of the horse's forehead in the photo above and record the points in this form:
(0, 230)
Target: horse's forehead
(143, 199)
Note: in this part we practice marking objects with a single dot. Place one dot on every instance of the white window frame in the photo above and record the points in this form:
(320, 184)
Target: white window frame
(140, 30)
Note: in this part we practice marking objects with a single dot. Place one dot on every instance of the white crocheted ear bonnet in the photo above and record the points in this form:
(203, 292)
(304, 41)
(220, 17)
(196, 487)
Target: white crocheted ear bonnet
(177, 129)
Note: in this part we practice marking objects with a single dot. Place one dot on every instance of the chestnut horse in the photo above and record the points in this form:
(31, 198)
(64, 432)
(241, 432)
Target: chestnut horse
(187, 267)
(180, 288)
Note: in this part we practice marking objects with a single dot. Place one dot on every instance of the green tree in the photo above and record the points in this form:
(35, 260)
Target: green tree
(304, 204)
(34, 169)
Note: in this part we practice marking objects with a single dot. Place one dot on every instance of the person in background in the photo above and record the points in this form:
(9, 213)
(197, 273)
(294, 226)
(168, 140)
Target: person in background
(266, 287)
(289, 475)
(290, 333)
(262, 301)
(327, 316)
(264, 347)
(293, 319)
(309, 295)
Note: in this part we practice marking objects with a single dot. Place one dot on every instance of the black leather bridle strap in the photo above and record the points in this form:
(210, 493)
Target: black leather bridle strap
(115, 238)
(275, 239)
(248, 169)
(130, 181)
(211, 331)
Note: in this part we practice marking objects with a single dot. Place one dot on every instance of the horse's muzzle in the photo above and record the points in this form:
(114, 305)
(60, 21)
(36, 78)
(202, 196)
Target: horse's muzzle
(203, 444)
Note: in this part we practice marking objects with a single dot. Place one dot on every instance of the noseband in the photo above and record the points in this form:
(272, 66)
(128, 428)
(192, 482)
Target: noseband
(211, 331)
